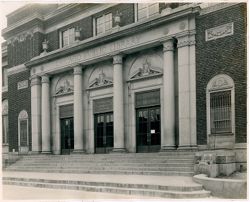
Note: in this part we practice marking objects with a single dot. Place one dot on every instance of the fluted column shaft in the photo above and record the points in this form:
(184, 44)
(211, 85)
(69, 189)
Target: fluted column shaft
(118, 105)
(46, 128)
(36, 114)
(168, 137)
(78, 110)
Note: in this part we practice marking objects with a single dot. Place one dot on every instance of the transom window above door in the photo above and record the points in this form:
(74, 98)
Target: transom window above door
(68, 37)
(104, 23)
(147, 10)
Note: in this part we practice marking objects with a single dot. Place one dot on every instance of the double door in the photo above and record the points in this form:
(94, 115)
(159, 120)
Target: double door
(67, 135)
(148, 129)
(104, 138)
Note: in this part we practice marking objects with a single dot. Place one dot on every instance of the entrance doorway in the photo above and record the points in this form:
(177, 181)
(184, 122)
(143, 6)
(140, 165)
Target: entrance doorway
(148, 138)
(148, 121)
(67, 135)
(104, 138)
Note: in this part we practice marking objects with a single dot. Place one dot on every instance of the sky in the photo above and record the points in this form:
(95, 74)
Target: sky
(6, 8)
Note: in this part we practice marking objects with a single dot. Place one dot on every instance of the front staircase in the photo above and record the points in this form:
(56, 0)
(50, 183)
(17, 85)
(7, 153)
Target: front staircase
(149, 168)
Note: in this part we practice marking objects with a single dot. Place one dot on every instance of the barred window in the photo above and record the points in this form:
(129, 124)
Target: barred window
(220, 105)
(104, 23)
(68, 37)
(5, 127)
(220, 112)
(147, 10)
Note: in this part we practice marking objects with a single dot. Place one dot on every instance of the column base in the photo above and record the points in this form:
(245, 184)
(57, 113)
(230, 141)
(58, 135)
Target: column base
(78, 151)
(46, 152)
(188, 147)
(118, 150)
(167, 148)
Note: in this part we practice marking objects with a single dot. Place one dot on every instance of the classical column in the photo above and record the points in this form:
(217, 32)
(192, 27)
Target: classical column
(186, 92)
(118, 107)
(46, 129)
(192, 74)
(78, 111)
(168, 137)
(36, 113)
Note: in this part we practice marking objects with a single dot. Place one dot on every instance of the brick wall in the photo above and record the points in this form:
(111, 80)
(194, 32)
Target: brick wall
(86, 26)
(22, 51)
(18, 100)
(224, 55)
(127, 13)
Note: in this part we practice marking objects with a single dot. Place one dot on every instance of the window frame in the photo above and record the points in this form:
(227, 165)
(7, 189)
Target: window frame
(220, 83)
(137, 18)
(95, 24)
(23, 116)
(68, 34)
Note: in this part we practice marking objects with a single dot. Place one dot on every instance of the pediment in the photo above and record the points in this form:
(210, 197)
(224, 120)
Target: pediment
(146, 69)
(64, 85)
(101, 80)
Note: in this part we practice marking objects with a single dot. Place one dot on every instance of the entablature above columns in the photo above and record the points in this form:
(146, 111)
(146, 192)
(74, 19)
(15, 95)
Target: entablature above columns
(126, 41)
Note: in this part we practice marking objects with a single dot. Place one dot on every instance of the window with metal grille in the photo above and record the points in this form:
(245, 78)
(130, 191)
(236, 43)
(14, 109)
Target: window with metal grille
(68, 37)
(5, 129)
(220, 112)
(104, 23)
(147, 10)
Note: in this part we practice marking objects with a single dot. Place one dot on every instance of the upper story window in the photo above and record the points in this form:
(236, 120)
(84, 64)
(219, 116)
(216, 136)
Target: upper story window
(220, 105)
(147, 10)
(5, 77)
(68, 37)
(104, 23)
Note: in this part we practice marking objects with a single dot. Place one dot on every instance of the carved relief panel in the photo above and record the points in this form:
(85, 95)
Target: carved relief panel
(64, 85)
(101, 76)
(145, 65)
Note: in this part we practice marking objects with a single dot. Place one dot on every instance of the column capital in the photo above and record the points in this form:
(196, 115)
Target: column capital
(186, 40)
(117, 59)
(168, 45)
(78, 70)
(35, 80)
(45, 78)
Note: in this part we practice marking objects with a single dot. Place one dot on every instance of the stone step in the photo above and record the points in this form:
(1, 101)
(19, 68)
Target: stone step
(110, 161)
(109, 155)
(76, 164)
(143, 191)
(127, 172)
(110, 167)
(183, 188)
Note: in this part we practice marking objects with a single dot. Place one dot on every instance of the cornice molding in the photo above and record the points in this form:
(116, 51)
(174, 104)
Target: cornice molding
(21, 23)
(124, 31)
(16, 69)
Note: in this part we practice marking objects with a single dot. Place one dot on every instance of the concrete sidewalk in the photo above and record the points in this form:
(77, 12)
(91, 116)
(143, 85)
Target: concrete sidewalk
(126, 179)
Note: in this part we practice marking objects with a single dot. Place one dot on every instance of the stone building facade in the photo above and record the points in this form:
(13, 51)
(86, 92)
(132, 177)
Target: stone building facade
(100, 78)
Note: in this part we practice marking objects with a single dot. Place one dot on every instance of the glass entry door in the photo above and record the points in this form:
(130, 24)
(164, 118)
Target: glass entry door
(104, 138)
(148, 129)
(67, 135)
